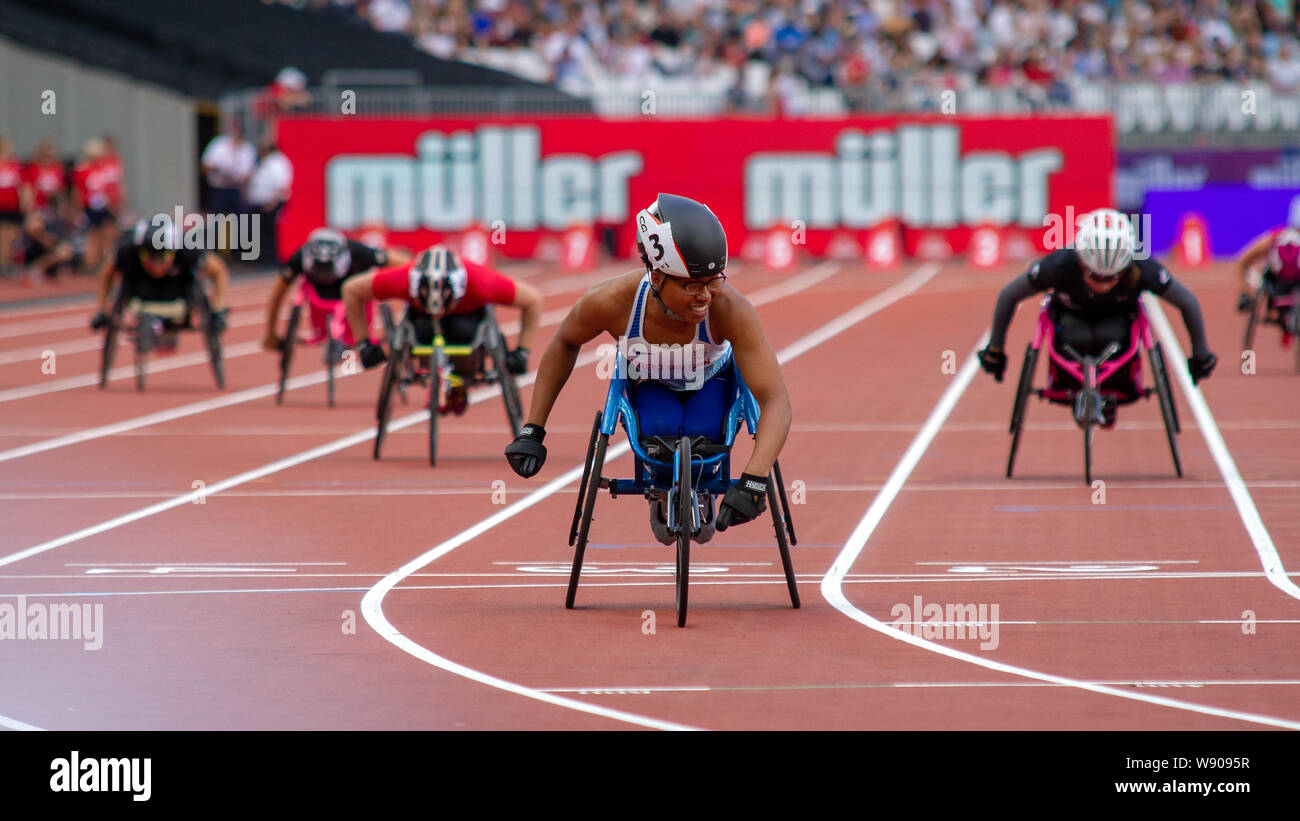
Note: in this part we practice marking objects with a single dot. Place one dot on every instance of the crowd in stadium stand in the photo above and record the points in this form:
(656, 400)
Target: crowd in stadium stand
(59, 217)
(852, 45)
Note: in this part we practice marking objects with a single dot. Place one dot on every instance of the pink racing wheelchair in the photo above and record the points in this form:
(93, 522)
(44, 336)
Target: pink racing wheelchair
(1087, 396)
(329, 325)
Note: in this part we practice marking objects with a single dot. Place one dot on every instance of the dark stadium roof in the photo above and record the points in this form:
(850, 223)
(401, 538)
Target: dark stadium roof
(205, 48)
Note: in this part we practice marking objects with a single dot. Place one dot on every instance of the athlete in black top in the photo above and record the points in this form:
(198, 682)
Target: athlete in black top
(1091, 308)
(327, 259)
(153, 272)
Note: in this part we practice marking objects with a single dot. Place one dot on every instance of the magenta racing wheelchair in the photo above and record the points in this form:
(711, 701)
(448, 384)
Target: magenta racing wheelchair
(1078, 381)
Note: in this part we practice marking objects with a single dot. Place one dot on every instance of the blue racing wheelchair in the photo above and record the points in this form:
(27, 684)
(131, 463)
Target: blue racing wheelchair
(684, 474)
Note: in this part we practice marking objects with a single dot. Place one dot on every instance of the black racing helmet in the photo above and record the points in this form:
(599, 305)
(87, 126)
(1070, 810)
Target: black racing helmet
(326, 256)
(682, 238)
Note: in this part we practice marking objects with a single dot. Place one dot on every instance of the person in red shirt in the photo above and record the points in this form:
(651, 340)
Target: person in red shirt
(92, 182)
(12, 205)
(45, 177)
(440, 284)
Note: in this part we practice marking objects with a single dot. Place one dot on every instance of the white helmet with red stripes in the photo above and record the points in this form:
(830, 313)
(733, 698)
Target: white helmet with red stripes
(681, 238)
(438, 279)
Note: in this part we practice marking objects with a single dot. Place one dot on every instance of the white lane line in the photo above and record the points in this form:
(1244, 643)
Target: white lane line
(479, 395)
(832, 583)
(73, 323)
(96, 341)
(249, 395)
(15, 724)
(1263, 543)
(372, 602)
(169, 363)
(886, 685)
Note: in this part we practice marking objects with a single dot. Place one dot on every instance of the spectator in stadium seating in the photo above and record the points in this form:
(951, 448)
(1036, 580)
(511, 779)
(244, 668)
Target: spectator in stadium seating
(12, 204)
(46, 178)
(93, 192)
(268, 191)
(228, 163)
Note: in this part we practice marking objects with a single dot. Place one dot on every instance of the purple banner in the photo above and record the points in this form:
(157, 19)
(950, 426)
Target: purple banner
(1141, 171)
(1234, 214)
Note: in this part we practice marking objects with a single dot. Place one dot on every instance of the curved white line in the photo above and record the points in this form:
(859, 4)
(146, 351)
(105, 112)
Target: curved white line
(831, 587)
(1264, 546)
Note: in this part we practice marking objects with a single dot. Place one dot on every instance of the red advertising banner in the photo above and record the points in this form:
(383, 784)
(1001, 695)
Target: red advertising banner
(526, 182)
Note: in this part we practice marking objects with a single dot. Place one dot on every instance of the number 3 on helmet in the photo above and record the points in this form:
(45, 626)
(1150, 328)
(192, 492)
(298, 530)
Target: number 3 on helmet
(681, 237)
(438, 280)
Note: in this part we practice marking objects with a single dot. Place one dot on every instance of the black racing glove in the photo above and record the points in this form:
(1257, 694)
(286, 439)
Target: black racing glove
(371, 354)
(1200, 366)
(994, 362)
(1244, 302)
(99, 320)
(744, 502)
(527, 454)
(517, 361)
(218, 320)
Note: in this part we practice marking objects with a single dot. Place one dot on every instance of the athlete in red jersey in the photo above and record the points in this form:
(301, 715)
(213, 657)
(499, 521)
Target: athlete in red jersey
(439, 284)
(45, 177)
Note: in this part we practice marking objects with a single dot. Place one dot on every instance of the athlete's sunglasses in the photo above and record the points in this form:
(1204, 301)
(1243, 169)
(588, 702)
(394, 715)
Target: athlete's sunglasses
(695, 287)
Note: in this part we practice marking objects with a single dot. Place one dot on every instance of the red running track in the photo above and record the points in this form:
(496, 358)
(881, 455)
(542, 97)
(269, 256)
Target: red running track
(257, 608)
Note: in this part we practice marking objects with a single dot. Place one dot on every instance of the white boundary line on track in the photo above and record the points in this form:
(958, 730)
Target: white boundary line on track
(1259, 537)
(372, 602)
(816, 274)
(832, 591)
(15, 724)
(820, 272)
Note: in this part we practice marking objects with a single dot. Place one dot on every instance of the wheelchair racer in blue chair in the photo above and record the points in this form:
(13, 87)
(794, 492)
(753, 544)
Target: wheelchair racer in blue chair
(682, 334)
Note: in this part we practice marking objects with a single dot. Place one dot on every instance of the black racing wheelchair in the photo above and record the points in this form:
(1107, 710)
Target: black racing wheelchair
(412, 362)
(150, 323)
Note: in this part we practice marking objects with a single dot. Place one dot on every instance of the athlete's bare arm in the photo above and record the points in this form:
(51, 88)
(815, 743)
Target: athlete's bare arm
(357, 292)
(270, 340)
(733, 318)
(214, 269)
(1252, 256)
(528, 300)
(601, 309)
(107, 273)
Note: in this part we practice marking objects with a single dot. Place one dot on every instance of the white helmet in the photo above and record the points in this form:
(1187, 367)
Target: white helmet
(438, 279)
(1105, 242)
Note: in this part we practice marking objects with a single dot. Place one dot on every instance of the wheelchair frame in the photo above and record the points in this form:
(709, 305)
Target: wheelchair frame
(143, 340)
(692, 457)
(336, 330)
(1089, 399)
(430, 366)
(1267, 298)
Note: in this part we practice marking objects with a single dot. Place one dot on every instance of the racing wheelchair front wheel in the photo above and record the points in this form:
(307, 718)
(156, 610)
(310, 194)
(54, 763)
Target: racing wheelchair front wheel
(685, 504)
(286, 350)
(509, 388)
(1168, 413)
(1023, 388)
(582, 514)
(393, 372)
(333, 353)
(144, 342)
(110, 340)
(212, 341)
(1293, 325)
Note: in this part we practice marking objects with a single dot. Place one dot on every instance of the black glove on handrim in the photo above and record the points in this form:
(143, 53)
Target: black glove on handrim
(1200, 366)
(371, 354)
(99, 320)
(994, 362)
(1244, 302)
(527, 454)
(218, 320)
(517, 361)
(744, 501)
